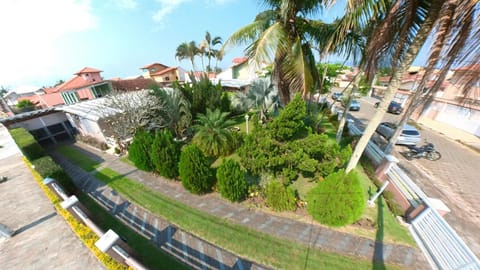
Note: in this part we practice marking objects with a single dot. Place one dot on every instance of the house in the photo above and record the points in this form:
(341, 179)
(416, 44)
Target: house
(458, 104)
(242, 69)
(86, 85)
(163, 74)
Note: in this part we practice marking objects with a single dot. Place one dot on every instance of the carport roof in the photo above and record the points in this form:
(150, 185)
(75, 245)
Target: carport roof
(91, 109)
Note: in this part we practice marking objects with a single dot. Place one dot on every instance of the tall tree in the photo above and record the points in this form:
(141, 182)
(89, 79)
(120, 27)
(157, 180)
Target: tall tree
(187, 51)
(208, 47)
(416, 20)
(283, 35)
(457, 29)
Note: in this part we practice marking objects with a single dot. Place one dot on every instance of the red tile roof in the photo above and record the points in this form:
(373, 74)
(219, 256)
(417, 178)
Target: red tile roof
(88, 70)
(163, 71)
(474, 67)
(239, 60)
(153, 64)
(74, 83)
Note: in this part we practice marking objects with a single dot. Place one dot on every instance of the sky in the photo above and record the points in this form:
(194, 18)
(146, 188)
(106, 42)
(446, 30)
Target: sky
(45, 41)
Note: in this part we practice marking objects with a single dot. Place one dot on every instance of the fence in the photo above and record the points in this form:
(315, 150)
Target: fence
(440, 244)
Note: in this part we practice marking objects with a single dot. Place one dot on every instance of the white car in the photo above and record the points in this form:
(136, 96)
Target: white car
(409, 136)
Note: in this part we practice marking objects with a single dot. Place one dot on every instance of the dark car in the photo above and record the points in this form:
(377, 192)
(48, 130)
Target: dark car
(337, 96)
(354, 105)
(393, 107)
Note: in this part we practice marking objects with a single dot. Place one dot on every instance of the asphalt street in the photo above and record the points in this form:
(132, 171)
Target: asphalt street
(454, 178)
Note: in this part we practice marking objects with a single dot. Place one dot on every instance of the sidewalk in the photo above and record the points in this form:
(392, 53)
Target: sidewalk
(453, 133)
(316, 236)
(42, 239)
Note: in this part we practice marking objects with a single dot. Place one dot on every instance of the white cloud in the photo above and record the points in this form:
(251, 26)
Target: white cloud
(29, 31)
(166, 7)
(126, 4)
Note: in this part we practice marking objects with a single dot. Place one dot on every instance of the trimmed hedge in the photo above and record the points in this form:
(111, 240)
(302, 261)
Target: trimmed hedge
(338, 200)
(165, 154)
(194, 169)
(138, 152)
(279, 197)
(27, 144)
(46, 167)
(231, 181)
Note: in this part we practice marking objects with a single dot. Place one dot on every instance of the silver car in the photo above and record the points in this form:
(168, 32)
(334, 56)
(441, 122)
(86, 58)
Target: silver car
(409, 136)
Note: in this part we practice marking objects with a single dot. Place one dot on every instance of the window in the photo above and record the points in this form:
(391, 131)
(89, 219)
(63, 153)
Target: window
(167, 78)
(70, 97)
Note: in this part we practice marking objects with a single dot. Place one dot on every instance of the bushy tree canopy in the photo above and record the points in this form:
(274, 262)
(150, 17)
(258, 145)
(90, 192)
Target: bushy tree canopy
(165, 154)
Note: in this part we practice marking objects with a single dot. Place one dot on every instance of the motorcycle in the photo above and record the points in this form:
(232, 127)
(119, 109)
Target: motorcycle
(427, 151)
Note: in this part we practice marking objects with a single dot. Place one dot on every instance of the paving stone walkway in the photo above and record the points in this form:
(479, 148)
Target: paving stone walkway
(191, 250)
(183, 244)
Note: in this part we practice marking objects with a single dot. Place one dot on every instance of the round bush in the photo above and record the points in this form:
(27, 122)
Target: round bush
(231, 180)
(139, 150)
(194, 169)
(279, 197)
(165, 154)
(338, 200)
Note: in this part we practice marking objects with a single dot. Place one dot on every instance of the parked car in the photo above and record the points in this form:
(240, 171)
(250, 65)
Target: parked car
(337, 96)
(393, 107)
(354, 105)
(409, 136)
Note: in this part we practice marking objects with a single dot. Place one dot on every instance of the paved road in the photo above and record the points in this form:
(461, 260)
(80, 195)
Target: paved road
(454, 179)
(316, 236)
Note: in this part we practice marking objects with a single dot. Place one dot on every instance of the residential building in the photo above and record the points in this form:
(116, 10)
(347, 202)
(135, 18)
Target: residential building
(86, 85)
(163, 74)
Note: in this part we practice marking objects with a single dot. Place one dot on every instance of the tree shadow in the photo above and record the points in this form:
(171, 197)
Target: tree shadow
(378, 260)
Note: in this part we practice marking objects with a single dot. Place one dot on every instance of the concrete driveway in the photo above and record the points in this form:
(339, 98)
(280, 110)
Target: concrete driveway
(454, 178)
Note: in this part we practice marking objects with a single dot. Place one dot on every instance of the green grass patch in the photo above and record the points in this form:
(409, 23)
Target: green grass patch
(148, 254)
(394, 232)
(78, 158)
(239, 121)
(240, 240)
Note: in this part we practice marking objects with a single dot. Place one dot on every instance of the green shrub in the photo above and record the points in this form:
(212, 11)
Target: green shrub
(46, 167)
(30, 148)
(279, 197)
(139, 150)
(194, 169)
(165, 154)
(231, 180)
(289, 122)
(338, 200)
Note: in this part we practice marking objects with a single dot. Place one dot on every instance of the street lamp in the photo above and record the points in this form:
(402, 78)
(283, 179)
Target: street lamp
(246, 120)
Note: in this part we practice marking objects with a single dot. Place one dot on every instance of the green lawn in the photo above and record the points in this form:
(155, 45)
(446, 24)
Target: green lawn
(147, 253)
(240, 240)
(78, 158)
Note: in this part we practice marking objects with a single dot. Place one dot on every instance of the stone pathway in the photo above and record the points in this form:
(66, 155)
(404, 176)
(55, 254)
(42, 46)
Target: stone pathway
(316, 236)
(191, 250)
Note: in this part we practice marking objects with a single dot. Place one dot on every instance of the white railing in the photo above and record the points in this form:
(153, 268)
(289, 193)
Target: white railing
(441, 245)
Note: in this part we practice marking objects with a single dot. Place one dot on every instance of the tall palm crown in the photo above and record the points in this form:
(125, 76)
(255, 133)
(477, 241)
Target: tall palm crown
(208, 47)
(283, 35)
(187, 51)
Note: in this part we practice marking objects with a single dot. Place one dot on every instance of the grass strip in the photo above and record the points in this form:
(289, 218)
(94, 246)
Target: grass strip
(260, 247)
(77, 157)
(151, 256)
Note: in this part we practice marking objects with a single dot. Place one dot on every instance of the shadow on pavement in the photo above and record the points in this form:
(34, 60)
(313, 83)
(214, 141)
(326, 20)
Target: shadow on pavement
(378, 260)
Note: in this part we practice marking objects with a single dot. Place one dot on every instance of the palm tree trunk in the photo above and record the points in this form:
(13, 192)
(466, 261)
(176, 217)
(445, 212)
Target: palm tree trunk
(348, 94)
(416, 99)
(397, 76)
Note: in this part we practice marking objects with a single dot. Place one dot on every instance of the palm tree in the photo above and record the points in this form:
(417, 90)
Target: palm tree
(208, 46)
(173, 109)
(262, 96)
(187, 51)
(416, 19)
(457, 28)
(213, 136)
(283, 36)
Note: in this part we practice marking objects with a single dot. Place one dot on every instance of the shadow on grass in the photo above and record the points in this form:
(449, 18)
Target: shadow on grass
(378, 260)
